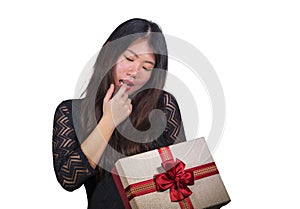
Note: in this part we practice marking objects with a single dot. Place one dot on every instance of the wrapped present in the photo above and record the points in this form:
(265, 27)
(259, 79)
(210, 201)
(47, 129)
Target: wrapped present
(183, 175)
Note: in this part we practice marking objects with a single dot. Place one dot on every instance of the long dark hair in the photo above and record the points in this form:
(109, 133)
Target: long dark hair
(143, 102)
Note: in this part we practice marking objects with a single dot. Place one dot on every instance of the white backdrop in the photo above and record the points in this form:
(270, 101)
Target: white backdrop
(254, 47)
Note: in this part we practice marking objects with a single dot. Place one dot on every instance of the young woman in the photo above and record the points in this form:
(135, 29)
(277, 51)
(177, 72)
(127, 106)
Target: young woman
(118, 116)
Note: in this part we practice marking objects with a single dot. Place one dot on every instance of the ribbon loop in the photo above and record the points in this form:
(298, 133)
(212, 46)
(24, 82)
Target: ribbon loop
(176, 179)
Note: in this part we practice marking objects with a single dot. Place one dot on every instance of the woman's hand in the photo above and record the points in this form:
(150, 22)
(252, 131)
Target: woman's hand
(119, 107)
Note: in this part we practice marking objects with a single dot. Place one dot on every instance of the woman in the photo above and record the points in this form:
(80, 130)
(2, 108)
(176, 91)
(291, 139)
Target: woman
(116, 118)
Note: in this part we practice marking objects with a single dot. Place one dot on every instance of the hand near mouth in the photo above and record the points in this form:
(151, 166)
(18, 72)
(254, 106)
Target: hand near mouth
(119, 107)
(122, 82)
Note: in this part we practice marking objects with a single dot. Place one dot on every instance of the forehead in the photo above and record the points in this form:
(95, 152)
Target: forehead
(140, 47)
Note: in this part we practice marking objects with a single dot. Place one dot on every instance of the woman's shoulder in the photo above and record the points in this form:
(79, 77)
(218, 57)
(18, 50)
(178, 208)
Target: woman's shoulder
(66, 111)
(67, 107)
(167, 97)
(68, 103)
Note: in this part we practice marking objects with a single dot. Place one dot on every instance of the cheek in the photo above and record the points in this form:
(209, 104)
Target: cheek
(144, 77)
(120, 69)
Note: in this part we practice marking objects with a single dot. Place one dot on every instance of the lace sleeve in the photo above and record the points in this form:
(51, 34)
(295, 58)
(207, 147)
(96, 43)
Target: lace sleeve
(71, 166)
(174, 132)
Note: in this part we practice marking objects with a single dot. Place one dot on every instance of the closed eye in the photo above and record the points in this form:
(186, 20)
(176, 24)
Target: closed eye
(147, 69)
(130, 60)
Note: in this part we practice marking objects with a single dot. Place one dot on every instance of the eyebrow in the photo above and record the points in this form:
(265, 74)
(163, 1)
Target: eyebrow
(137, 56)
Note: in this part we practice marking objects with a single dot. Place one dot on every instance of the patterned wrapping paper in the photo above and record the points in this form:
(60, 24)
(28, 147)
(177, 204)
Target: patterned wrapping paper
(208, 191)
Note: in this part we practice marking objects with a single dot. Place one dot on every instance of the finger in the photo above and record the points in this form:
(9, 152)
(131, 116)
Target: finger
(124, 97)
(121, 91)
(109, 93)
(130, 109)
(129, 101)
(116, 90)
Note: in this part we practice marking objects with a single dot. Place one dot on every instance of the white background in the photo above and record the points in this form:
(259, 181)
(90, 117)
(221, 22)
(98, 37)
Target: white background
(254, 47)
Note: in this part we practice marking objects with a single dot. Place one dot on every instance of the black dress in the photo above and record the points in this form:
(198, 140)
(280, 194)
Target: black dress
(72, 168)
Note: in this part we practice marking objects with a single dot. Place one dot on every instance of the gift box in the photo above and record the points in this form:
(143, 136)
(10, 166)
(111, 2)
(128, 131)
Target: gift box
(183, 175)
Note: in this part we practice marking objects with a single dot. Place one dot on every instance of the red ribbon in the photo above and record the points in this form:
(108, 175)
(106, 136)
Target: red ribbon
(176, 179)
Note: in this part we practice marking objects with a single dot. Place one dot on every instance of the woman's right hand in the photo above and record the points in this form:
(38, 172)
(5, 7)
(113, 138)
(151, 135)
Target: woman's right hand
(119, 107)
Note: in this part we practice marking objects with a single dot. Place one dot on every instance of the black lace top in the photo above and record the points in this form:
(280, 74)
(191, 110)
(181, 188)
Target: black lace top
(72, 168)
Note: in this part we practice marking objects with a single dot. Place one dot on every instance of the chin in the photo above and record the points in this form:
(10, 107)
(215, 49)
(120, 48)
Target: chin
(132, 91)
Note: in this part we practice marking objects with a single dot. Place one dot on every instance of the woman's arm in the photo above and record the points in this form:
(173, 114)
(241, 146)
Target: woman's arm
(94, 145)
(74, 163)
(115, 111)
(71, 166)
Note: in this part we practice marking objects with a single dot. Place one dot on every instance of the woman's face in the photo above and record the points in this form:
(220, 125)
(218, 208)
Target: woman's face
(135, 65)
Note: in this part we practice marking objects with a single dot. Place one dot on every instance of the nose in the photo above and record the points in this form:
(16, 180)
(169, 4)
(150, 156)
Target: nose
(132, 75)
(132, 70)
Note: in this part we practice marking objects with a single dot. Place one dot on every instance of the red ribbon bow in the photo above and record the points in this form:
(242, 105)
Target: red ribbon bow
(176, 179)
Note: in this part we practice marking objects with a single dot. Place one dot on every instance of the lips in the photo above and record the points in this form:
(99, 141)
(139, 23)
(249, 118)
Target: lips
(127, 82)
